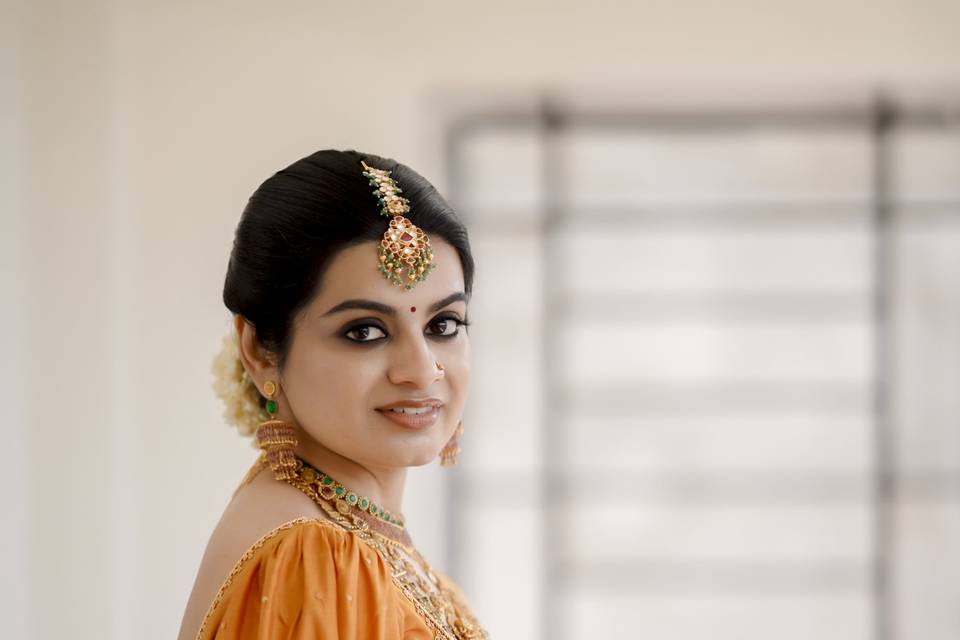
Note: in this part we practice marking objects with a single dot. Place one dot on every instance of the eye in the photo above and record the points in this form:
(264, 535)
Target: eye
(447, 326)
(363, 332)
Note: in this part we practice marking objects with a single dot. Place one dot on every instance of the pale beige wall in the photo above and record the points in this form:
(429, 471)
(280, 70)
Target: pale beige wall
(133, 132)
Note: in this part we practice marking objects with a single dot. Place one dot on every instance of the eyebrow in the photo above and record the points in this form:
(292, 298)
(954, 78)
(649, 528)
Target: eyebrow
(373, 305)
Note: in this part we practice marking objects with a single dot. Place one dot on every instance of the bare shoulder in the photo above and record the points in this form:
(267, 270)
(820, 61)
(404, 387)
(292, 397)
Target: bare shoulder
(257, 509)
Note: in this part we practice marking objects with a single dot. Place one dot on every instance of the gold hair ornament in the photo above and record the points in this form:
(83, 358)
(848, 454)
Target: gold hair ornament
(405, 254)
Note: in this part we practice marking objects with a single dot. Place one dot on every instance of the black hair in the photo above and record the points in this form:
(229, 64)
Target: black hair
(301, 217)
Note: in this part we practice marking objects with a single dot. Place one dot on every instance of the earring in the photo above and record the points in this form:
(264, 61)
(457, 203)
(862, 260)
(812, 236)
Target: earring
(277, 438)
(448, 455)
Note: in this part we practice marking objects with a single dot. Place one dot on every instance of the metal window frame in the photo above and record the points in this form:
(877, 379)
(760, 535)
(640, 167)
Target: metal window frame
(879, 119)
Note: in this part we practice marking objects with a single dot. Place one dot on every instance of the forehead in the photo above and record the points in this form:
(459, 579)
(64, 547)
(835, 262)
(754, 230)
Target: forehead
(353, 274)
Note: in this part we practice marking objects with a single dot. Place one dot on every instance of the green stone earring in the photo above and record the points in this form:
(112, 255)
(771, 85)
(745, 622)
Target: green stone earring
(269, 390)
(277, 439)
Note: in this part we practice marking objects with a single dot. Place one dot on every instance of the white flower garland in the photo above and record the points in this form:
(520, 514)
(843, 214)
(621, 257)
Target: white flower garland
(240, 396)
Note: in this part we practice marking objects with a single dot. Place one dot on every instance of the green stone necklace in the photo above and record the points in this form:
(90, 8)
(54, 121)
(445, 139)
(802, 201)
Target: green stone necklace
(345, 499)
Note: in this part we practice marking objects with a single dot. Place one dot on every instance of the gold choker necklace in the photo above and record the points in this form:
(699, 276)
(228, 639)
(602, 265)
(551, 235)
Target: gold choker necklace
(331, 495)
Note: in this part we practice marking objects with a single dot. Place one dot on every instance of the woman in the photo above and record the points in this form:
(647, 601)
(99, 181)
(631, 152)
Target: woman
(349, 281)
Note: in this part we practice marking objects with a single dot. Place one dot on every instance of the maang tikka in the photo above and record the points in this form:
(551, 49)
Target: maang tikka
(405, 256)
(277, 438)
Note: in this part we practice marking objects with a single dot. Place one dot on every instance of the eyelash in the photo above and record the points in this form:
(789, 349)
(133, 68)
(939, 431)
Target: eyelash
(449, 318)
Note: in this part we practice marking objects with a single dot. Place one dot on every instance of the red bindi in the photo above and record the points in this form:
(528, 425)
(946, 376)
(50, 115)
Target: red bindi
(412, 309)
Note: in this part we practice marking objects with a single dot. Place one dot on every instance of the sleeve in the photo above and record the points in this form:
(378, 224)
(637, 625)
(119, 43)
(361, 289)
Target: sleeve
(309, 580)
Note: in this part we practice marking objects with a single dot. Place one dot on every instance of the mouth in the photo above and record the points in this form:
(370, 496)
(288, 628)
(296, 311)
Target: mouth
(412, 417)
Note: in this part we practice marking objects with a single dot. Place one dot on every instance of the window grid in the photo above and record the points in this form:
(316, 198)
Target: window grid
(881, 490)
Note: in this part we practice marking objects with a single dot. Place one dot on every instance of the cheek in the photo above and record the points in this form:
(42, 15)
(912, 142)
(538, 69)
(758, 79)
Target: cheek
(460, 370)
(330, 386)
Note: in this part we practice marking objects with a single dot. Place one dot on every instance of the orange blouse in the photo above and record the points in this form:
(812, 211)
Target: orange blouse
(310, 578)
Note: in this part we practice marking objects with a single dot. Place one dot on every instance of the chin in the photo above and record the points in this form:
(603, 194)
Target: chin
(420, 459)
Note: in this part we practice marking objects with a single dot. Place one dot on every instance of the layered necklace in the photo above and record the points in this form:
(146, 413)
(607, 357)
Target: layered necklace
(441, 607)
(327, 492)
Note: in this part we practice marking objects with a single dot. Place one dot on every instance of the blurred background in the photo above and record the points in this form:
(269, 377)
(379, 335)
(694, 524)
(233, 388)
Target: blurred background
(716, 319)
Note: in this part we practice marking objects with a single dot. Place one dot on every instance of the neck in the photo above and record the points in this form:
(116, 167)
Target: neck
(381, 485)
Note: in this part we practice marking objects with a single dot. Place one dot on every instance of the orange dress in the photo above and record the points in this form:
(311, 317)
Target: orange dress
(313, 578)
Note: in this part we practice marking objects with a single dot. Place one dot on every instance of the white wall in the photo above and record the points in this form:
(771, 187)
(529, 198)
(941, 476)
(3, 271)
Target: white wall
(133, 132)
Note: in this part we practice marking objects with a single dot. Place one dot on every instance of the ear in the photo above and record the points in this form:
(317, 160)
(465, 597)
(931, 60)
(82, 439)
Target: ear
(259, 363)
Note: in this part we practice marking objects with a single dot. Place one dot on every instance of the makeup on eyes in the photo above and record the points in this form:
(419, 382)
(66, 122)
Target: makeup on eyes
(374, 323)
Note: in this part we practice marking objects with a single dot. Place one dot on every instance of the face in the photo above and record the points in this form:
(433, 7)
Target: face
(363, 343)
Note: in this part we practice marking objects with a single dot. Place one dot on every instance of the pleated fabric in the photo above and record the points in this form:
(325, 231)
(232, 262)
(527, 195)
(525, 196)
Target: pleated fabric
(309, 579)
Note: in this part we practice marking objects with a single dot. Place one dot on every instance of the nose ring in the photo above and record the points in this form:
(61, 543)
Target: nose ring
(439, 366)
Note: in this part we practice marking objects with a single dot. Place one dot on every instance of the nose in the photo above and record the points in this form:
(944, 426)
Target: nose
(412, 363)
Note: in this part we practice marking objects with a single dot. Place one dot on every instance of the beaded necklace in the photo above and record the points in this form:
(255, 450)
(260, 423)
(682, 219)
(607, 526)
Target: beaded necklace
(314, 482)
(330, 489)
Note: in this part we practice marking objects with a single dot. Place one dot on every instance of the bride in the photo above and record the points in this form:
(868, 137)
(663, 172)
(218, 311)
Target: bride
(349, 362)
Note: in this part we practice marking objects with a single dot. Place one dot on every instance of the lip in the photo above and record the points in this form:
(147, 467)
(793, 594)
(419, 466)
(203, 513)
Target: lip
(413, 421)
(416, 404)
